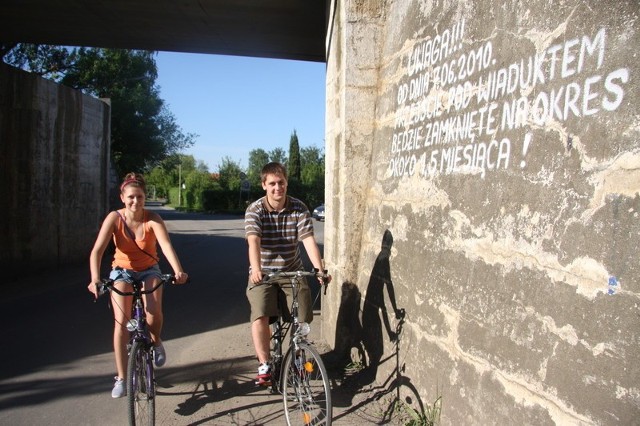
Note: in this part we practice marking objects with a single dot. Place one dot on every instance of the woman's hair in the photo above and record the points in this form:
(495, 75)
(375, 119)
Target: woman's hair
(133, 179)
(273, 169)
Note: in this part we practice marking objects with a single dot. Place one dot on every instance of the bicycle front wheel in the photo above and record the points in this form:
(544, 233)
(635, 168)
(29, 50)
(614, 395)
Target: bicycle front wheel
(141, 386)
(306, 391)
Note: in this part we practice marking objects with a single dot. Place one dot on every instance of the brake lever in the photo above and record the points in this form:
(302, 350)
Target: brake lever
(325, 281)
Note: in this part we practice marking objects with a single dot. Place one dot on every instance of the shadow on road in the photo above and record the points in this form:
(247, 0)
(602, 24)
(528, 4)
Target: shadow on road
(50, 318)
(56, 339)
(57, 318)
(214, 382)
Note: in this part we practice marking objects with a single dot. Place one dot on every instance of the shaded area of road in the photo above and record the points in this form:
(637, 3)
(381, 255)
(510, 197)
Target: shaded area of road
(57, 362)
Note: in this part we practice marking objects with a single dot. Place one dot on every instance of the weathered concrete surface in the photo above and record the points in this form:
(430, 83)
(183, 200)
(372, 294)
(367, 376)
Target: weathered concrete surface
(484, 163)
(54, 163)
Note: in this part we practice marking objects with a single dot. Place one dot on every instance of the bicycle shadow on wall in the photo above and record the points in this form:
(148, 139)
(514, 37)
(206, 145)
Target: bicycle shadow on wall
(361, 352)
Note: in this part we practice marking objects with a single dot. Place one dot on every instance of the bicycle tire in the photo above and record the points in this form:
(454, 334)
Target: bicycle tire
(306, 391)
(141, 386)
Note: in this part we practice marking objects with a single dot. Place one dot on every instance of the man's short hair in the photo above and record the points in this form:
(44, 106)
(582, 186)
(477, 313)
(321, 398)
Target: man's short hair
(273, 168)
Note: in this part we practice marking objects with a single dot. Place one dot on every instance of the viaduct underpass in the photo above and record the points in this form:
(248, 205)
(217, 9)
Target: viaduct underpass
(483, 178)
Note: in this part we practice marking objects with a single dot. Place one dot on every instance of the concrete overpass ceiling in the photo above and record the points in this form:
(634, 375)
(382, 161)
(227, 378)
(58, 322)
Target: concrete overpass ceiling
(284, 29)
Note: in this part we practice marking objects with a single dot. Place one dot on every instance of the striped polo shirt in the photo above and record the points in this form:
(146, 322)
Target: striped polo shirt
(279, 232)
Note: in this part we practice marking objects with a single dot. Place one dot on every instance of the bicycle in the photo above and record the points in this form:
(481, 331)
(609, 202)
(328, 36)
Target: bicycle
(299, 375)
(141, 385)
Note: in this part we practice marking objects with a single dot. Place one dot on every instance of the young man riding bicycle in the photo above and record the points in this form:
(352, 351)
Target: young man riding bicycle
(274, 225)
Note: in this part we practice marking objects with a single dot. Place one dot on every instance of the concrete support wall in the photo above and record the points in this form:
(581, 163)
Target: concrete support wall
(483, 179)
(54, 162)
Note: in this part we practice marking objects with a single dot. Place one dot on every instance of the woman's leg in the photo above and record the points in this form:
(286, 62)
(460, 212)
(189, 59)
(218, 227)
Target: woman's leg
(121, 314)
(153, 308)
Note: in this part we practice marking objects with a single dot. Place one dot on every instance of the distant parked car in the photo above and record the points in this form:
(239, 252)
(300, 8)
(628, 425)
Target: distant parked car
(318, 213)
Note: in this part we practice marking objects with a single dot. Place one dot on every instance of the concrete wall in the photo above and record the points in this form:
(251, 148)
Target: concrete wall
(54, 162)
(483, 166)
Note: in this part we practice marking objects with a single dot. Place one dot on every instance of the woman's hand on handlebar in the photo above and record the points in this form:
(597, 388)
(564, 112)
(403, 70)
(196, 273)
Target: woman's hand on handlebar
(181, 277)
(93, 288)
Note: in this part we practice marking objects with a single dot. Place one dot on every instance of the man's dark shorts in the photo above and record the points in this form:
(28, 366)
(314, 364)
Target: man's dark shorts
(264, 301)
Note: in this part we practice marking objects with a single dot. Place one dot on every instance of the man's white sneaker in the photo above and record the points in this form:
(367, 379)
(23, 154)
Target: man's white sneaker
(264, 375)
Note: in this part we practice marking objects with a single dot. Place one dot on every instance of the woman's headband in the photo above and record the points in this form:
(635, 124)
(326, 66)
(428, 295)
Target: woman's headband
(130, 181)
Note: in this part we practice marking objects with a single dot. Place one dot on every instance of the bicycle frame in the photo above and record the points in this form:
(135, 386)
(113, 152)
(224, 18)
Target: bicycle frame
(282, 327)
(299, 374)
(141, 388)
(137, 325)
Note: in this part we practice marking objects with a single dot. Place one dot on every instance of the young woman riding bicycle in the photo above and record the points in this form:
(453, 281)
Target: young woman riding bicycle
(136, 233)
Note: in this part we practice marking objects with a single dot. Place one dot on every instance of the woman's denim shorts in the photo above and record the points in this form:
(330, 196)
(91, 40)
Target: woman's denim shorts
(129, 275)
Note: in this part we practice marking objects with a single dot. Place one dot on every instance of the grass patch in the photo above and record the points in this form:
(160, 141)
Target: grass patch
(406, 415)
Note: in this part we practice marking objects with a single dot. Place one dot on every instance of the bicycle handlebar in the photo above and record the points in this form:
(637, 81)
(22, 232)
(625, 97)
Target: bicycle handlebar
(269, 274)
(107, 285)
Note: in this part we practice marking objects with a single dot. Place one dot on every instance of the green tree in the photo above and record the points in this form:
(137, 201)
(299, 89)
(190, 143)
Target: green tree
(201, 166)
(278, 155)
(228, 196)
(312, 174)
(294, 158)
(311, 155)
(257, 159)
(143, 130)
(192, 175)
(230, 175)
(166, 174)
(196, 184)
(188, 163)
(47, 61)
(312, 165)
(160, 180)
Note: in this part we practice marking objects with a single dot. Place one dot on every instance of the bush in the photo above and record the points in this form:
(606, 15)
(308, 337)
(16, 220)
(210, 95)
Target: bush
(223, 200)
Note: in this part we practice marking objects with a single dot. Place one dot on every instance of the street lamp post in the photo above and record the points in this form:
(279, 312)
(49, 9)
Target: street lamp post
(153, 191)
(179, 184)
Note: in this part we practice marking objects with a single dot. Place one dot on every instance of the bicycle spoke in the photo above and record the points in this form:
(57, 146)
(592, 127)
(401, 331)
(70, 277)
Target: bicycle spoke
(306, 391)
(140, 386)
(300, 375)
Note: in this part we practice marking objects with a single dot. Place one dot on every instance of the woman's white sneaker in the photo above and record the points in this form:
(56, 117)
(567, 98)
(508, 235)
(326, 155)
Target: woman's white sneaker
(159, 355)
(119, 388)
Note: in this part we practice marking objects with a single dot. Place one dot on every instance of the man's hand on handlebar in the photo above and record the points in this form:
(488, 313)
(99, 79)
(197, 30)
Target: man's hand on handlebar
(256, 276)
(324, 280)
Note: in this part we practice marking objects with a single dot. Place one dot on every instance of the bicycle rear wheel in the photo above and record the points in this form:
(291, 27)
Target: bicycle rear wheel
(141, 386)
(306, 392)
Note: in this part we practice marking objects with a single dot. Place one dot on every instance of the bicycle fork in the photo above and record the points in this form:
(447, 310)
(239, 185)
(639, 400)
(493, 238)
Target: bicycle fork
(144, 361)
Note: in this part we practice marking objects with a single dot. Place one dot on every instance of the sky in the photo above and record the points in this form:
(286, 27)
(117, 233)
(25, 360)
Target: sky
(237, 104)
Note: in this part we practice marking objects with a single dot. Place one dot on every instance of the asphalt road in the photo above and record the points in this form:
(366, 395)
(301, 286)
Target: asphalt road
(56, 358)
